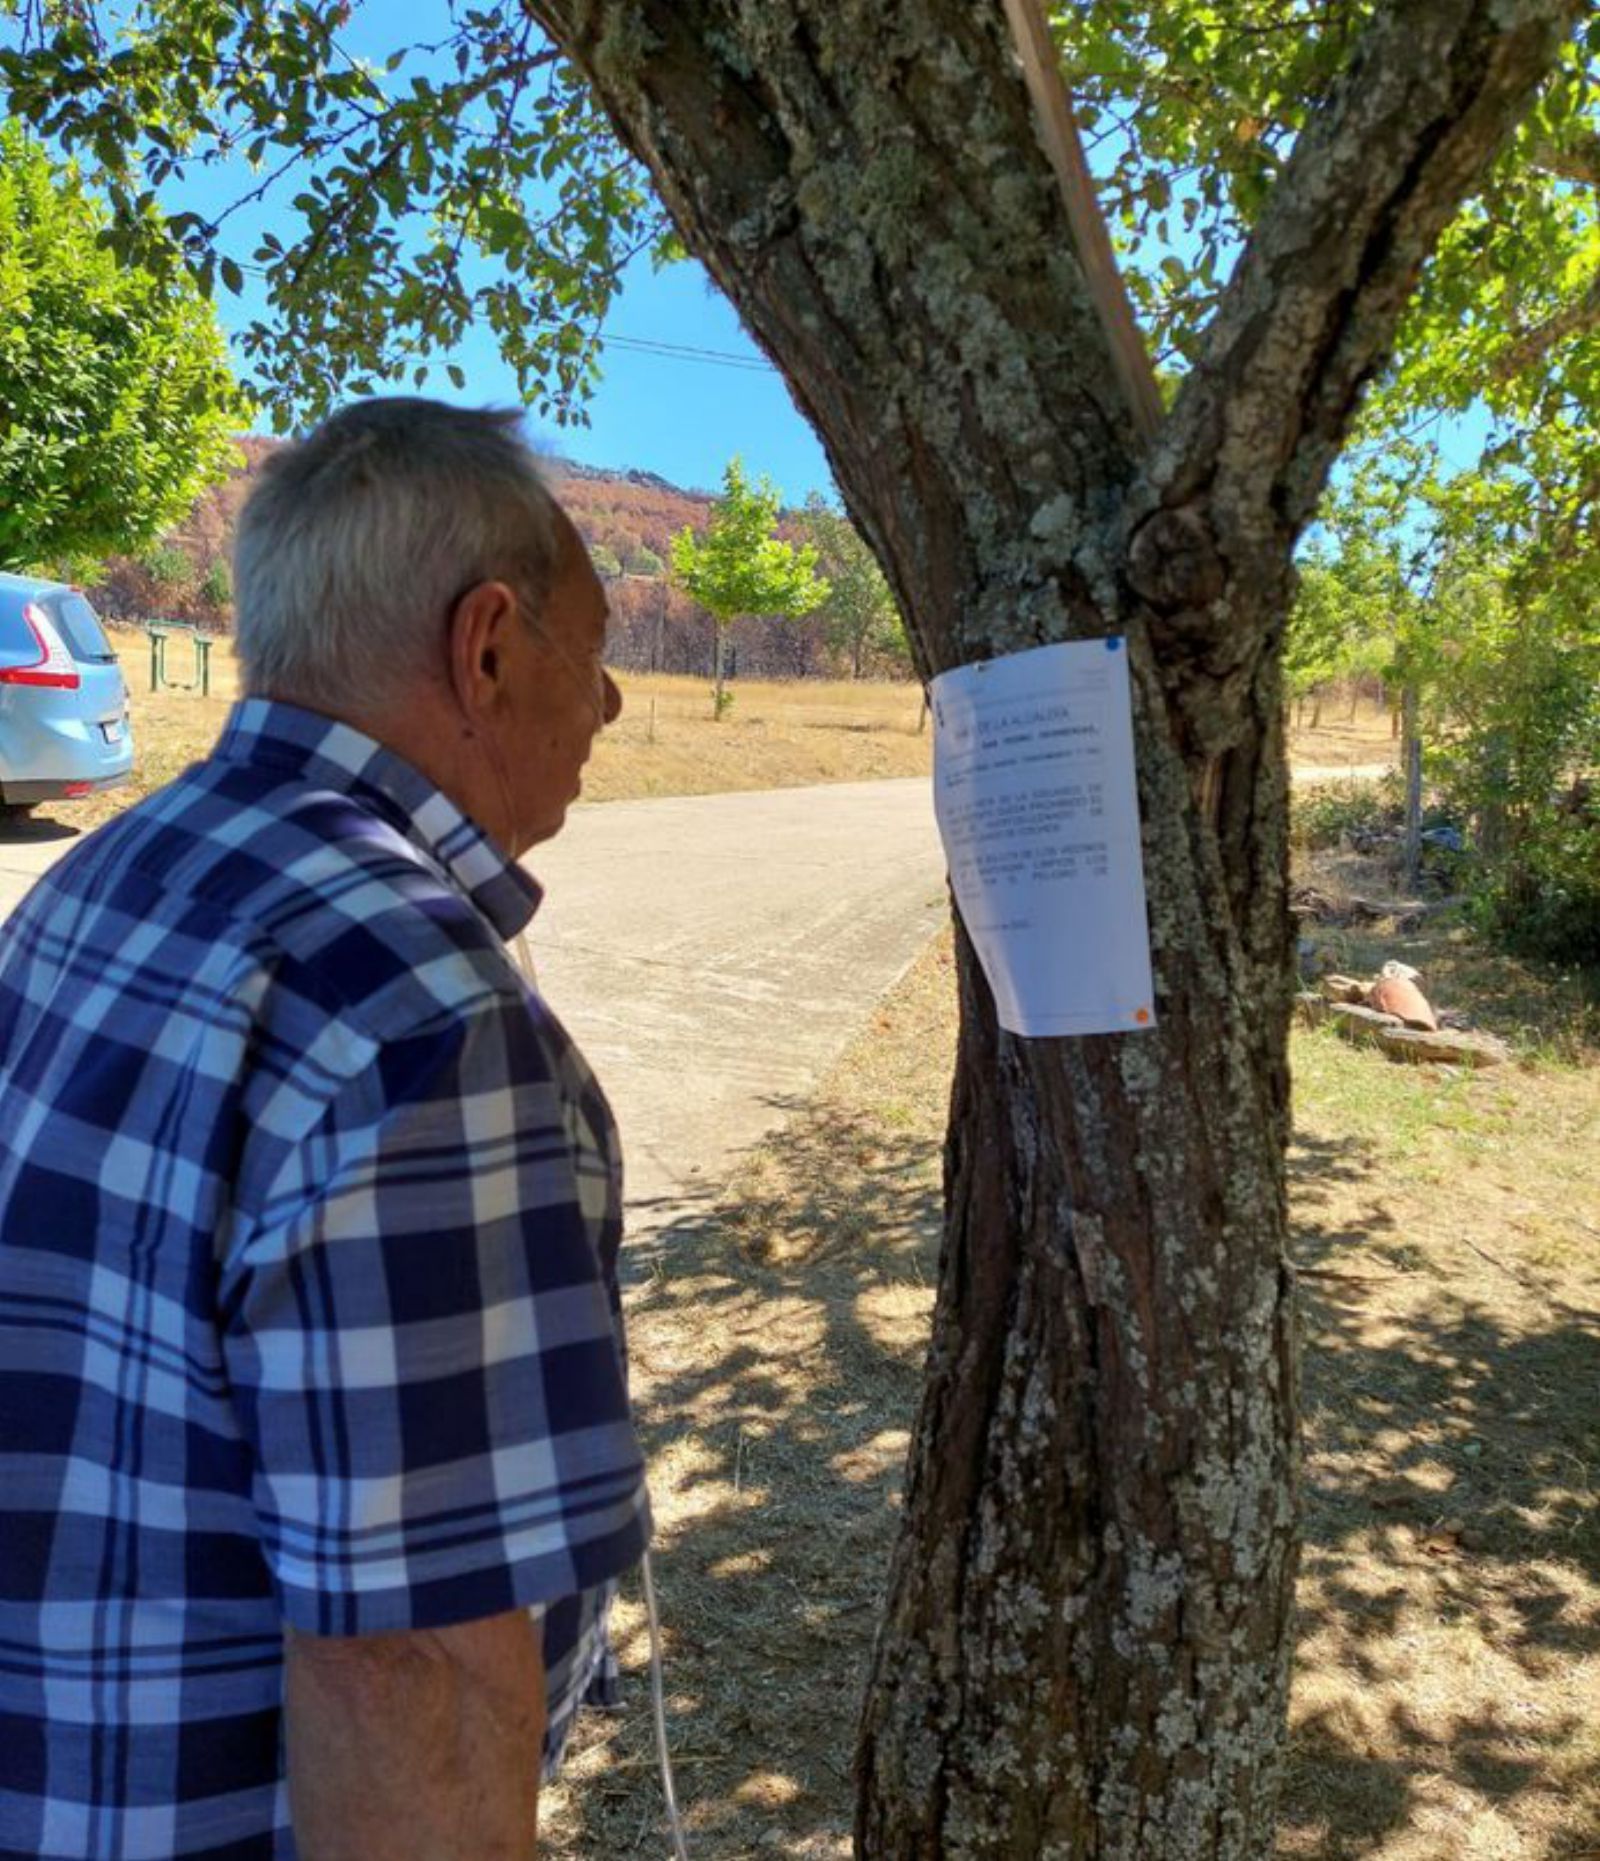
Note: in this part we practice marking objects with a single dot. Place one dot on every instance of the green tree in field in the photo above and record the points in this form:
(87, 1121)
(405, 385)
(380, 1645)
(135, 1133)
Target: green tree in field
(216, 586)
(859, 617)
(1514, 695)
(740, 566)
(116, 401)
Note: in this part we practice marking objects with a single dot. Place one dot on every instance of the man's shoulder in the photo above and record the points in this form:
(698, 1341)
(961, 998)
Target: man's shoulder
(320, 884)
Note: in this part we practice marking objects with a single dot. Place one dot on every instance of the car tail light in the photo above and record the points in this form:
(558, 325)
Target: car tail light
(75, 791)
(53, 666)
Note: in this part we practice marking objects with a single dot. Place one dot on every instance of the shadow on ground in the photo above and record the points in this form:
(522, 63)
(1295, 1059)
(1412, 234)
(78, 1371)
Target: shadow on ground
(34, 829)
(1450, 1599)
(777, 1346)
(1450, 1611)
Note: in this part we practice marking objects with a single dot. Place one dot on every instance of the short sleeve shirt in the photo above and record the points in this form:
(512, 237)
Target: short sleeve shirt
(309, 1216)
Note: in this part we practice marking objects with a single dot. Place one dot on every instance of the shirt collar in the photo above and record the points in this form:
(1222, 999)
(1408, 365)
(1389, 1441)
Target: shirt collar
(322, 750)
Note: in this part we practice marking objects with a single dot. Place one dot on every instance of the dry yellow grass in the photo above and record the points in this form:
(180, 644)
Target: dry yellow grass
(1345, 738)
(778, 735)
(665, 743)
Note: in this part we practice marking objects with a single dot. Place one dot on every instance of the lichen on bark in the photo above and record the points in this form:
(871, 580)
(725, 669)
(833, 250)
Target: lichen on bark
(1085, 1646)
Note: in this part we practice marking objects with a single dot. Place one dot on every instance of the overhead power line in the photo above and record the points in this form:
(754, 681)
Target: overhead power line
(639, 345)
(686, 352)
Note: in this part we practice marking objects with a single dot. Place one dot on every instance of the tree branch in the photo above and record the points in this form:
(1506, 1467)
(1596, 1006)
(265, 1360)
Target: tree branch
(1576, 160)
(1311, 312)
(1058, 129)
(1531, 345)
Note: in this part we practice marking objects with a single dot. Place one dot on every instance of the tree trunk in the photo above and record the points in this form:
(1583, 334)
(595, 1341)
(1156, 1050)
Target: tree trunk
(1492, 837)
(719, 663)
(1411, 764)
(1085, 1650)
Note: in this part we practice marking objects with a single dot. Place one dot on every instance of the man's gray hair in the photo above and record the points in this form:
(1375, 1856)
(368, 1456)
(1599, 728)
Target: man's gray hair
(357, 540)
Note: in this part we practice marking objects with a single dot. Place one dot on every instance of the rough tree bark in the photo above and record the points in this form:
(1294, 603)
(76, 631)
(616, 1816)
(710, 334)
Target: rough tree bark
(1086, 1640)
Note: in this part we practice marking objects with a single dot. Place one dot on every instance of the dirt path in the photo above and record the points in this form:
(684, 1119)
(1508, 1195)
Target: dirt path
(714, 954)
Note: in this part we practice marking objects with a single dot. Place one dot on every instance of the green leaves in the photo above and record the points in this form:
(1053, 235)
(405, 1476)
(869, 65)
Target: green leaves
(859, 615)
(739, 566)
(1190, 109)
(468, 181)
(118, 400)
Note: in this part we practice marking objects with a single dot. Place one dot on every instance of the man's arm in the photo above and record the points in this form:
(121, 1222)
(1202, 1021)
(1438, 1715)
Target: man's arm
(425, 1744)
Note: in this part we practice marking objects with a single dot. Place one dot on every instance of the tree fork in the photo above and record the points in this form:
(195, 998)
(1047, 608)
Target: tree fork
(1085, 1649)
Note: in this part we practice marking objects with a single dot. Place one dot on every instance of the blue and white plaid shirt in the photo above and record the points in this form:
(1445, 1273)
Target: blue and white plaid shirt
(309, 1213)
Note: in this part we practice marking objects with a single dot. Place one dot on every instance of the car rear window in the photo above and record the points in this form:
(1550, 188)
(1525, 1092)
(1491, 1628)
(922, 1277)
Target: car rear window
(16, 642)
(79, 627)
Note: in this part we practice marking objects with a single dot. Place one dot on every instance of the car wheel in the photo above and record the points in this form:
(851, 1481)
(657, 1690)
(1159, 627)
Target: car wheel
(14, 813)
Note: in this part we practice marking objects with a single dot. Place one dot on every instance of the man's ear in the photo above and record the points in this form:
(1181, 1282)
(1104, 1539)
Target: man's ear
(478, 625)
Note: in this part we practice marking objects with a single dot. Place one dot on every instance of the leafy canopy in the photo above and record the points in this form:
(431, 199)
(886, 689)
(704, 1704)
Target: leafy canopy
(461, 174)
(1191, 108)
(455, 181)
(440, 167)
(740, 565)
(115, 385)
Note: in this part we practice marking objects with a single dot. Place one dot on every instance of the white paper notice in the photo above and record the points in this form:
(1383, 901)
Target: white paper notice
(1034, 790)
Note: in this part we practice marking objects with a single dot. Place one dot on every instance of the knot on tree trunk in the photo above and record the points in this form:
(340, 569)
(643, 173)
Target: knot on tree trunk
(1173, 562)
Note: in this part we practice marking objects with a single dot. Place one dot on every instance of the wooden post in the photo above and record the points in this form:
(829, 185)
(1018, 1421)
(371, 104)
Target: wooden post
(1058, 132)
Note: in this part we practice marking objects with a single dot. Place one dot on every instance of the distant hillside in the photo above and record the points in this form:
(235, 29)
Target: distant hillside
(624, 512)
(628, 519)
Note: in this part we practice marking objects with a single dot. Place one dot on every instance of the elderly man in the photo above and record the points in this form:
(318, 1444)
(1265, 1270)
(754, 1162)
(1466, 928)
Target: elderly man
(318, 1464)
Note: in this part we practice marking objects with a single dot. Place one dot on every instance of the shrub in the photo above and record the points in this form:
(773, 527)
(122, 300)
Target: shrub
(1360, 814)
(1547, 905)
(216, 585)
(167, 567)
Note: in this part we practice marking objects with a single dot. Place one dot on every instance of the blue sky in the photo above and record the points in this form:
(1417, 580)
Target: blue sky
(682, 417)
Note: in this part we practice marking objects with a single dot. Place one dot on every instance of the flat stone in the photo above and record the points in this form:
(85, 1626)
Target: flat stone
(1363, 1026)
(1448, 1047)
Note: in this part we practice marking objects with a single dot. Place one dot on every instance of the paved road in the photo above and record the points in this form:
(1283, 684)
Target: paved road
(25, 853)
(713, 954)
